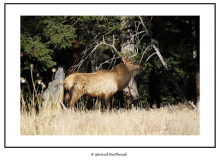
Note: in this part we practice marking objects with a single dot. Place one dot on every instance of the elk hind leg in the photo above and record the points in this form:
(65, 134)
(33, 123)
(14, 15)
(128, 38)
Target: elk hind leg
(75, 96)
(67, 99)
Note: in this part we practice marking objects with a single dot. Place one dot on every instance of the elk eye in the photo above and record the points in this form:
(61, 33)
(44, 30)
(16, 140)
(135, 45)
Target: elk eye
(130, 63)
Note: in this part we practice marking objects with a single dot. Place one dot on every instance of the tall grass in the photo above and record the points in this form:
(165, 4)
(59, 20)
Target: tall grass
(49, 121)
(117, 122)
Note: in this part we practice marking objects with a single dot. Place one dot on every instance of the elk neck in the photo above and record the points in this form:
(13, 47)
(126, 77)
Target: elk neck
(123, 76)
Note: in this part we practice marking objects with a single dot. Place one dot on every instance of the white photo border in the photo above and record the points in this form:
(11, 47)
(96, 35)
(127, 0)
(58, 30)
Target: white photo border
(207, 73)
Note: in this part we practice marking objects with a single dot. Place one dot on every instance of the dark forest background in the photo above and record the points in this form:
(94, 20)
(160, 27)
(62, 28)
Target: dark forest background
(66, 41)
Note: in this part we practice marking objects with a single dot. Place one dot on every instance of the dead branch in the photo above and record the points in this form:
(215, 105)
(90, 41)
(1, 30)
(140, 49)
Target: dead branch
(150, 56)
(144, 53)
(159, 55)
(81, 62)
(148, 33)
(107, 61)
(101, 43)
(169, 73)
(146, 30)
(68, 19)
(165, 65)
(74, 67)
(74, 23)
(191, 103)
(62, 105)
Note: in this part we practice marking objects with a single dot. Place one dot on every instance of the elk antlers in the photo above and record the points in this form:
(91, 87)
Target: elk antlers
(113, 45)
(101, 43)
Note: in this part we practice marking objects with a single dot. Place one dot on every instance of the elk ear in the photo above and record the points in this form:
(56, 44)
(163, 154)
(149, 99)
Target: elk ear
(123, 59)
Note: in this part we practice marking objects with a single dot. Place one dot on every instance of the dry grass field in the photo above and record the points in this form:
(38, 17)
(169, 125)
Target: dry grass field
(117, 122)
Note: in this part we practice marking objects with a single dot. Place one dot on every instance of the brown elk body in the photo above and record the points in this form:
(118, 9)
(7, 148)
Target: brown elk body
(102, 84)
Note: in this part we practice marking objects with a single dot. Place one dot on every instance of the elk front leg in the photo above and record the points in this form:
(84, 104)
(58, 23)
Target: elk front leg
(107, 102)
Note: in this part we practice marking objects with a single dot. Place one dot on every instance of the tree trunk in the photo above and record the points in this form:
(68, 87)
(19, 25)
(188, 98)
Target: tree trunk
(130, 93)
(53, 95)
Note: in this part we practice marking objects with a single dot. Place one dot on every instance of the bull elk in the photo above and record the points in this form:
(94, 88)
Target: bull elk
(103, 83)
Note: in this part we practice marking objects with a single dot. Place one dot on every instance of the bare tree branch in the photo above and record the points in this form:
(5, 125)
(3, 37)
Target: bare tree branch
(107, 61)
(62, 105)
(147, 32)
(150, 56)
(165, 66)
(101, 43)
(74, 23)
(74, 67)
(144, 53)
(81, 62)
(68, 19)
(159, 55)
